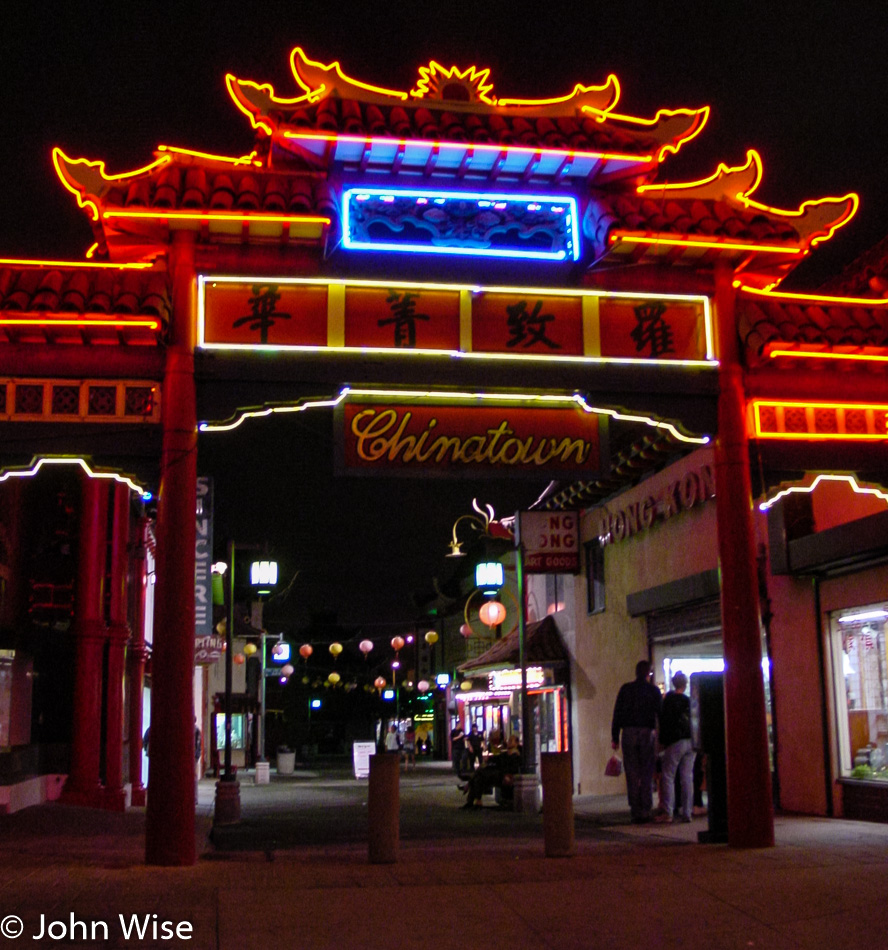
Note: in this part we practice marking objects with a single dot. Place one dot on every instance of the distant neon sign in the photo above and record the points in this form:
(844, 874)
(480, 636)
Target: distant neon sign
(500, 681)
(482, 224)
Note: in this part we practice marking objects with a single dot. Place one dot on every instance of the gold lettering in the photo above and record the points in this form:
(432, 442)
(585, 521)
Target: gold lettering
(631, 514)
(381, 435)
(648, 511)
(707, 481)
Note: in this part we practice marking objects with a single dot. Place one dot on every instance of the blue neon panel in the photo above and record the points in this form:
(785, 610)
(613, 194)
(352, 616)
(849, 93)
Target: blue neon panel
(481, 224)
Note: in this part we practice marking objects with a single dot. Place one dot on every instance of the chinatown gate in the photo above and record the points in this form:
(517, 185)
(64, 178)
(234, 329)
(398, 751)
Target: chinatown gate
(474, 283)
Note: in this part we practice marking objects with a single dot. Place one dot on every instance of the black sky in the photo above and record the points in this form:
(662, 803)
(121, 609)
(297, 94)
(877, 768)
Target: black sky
(802, 82)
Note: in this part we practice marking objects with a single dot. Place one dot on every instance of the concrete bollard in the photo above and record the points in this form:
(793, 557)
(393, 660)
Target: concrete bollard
(227, 810)
(383, 806)
(558, 817)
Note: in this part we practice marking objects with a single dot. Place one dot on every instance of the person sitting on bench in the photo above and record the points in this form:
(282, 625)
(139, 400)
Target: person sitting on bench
(498, 771)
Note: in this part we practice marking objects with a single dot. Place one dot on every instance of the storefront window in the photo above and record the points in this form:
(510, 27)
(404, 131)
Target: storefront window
(861, 681)
(237, 731)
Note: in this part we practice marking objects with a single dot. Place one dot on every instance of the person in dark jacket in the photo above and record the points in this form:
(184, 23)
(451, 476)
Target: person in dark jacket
(678, 754)
(636, 715)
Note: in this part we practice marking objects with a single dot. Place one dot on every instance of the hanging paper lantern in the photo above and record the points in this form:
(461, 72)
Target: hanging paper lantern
(306, 680)
(397, 643)
(334, 677)
(305, 651)
(379, 682)
(422, 685)
(250, 649)
(431, 638)
(335, 649)
(365, 646)
(465, 685)
(466, 630)
(239, 658)
(287, 670)
(492, 613)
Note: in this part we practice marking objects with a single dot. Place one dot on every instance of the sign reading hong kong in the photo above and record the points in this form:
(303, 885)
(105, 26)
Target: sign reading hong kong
(502, 322)
(391, 438)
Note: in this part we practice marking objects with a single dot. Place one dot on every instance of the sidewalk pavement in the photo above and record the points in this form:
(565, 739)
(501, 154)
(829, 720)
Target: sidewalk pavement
(462, 878)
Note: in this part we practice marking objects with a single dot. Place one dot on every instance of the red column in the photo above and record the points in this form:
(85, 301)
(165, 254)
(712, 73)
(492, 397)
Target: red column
(113, 796)
(169, 829)
(136, 657)
(82, 786)
(750, 804)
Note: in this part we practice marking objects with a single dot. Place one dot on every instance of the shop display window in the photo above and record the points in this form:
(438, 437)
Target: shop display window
(861, 688)
(238, 731)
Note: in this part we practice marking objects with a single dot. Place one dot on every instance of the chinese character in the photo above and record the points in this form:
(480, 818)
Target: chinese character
(403, 317)
(652, 330)
(529, 328)
(263, 313)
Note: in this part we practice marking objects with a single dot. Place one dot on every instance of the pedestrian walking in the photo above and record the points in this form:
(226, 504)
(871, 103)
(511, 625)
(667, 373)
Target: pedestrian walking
(636, 715)
(678, 751)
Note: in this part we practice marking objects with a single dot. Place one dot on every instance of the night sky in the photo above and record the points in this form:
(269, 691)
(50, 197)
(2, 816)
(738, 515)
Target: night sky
(803, 83)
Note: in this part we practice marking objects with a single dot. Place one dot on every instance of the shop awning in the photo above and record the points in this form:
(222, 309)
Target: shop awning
(544, 646)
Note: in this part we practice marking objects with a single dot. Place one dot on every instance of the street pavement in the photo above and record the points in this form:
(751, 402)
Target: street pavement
(294, 873)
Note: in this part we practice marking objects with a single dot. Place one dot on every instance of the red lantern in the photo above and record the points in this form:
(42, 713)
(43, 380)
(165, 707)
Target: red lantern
(379, 682)
(239, 658)
(305, 651)
(397, 643)
(466, 630)
(492, 613)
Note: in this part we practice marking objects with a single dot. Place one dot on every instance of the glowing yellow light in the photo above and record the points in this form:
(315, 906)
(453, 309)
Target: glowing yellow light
(753, 164)
(250, 159)
(234, 86)
(700, 117)
(807, 489)
(436, 73)
(38, 463)
(91, 265)
(97, 168)
(631, 238)
(49, 321)
(829, 355)
(307, 71)
(611, 84)
(760, 433)
(819, 299)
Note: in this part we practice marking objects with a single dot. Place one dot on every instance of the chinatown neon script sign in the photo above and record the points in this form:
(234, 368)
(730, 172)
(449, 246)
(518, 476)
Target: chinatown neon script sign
(452, 440)
(691, 489)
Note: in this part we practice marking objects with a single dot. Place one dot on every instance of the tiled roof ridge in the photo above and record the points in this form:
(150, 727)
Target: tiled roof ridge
(678, 215)
(856, 277)
(78, 290)
(763, 321)
(426, 119)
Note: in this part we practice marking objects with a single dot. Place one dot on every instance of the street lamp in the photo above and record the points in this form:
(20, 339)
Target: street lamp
(489, 579)
(226, 809)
